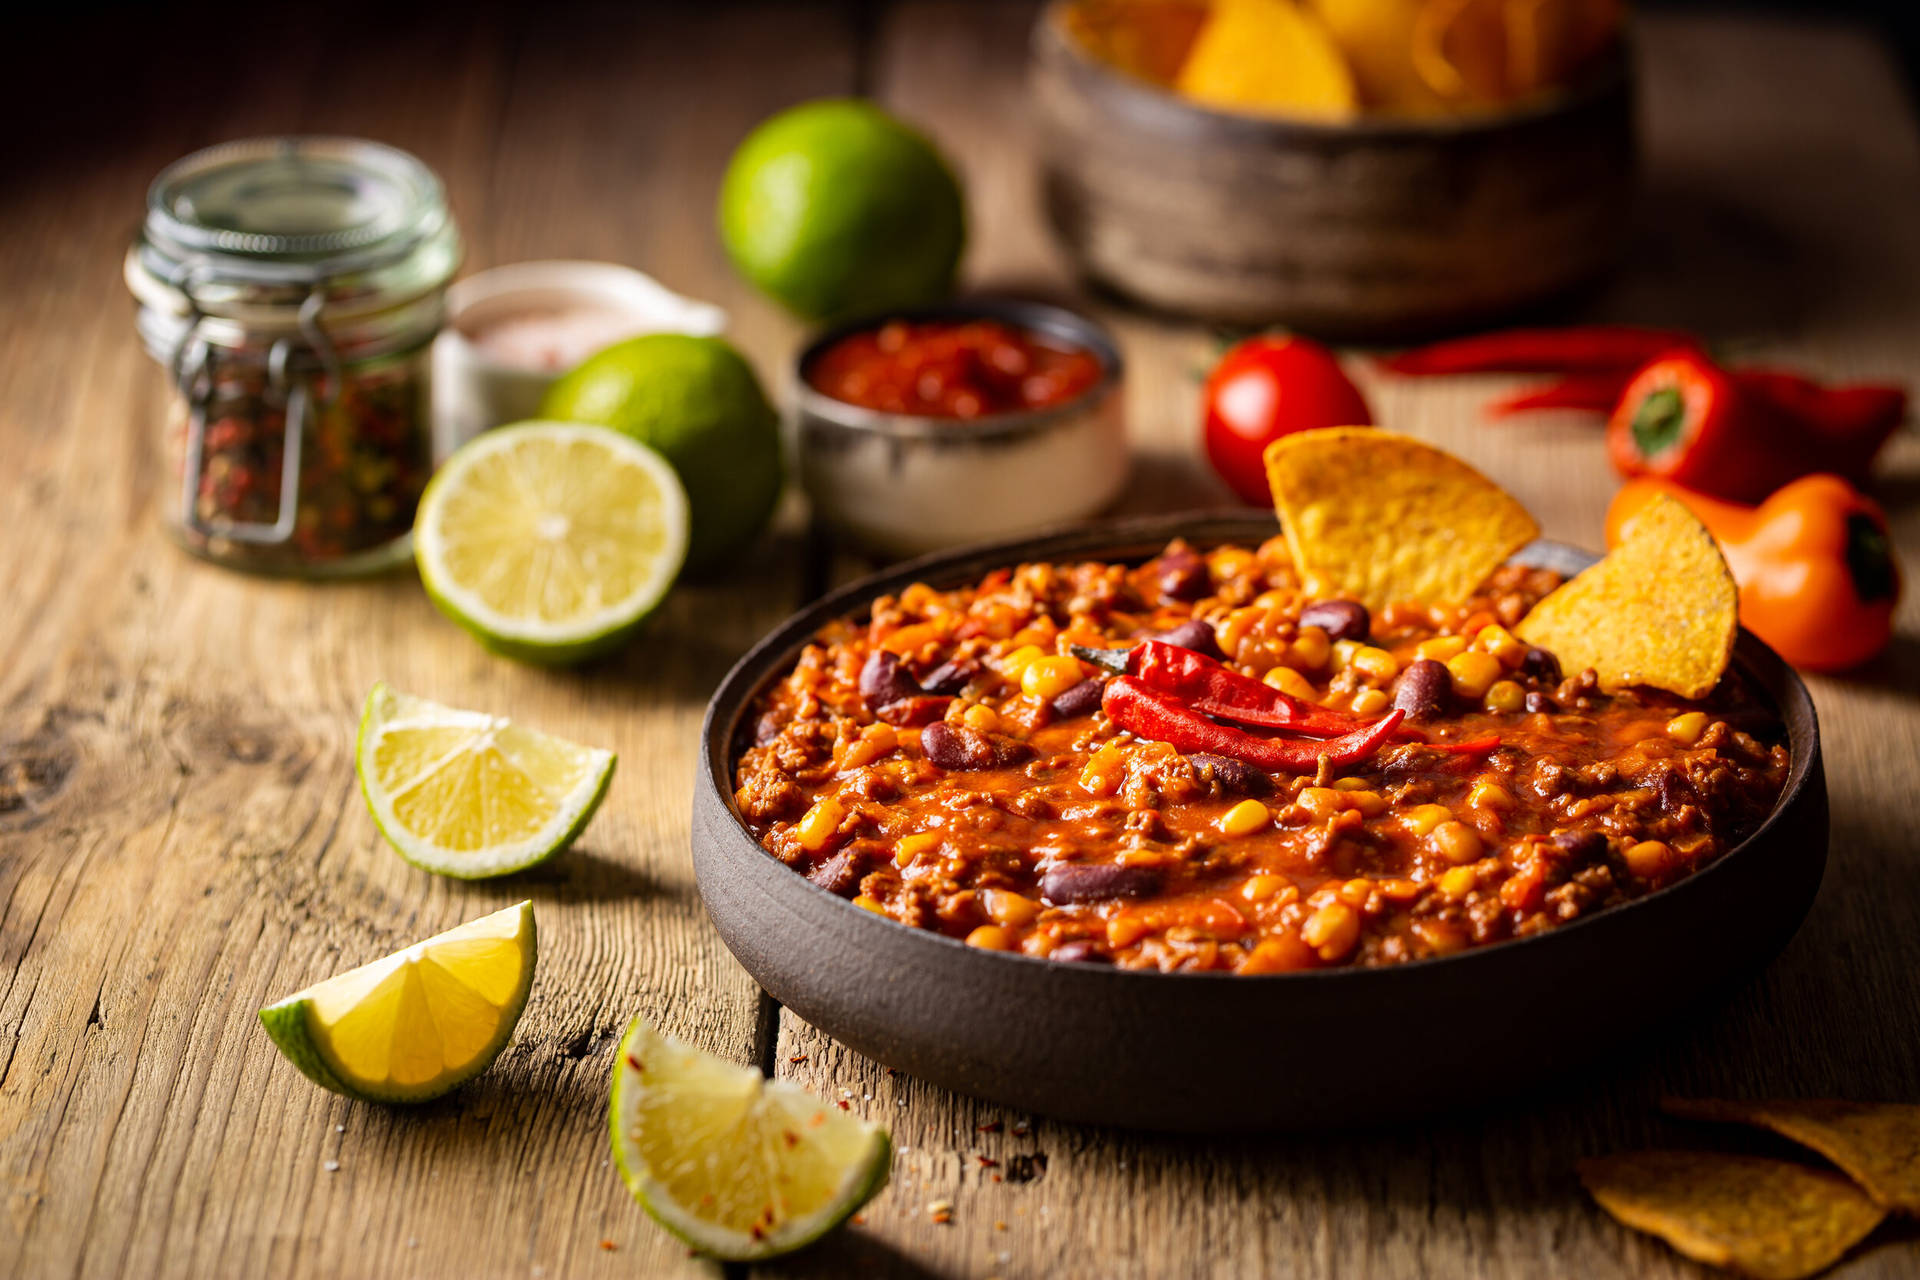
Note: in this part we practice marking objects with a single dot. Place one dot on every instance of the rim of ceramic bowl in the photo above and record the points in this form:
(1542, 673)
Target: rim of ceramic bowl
(768, 660)
(1045, 318)
(1160, 110)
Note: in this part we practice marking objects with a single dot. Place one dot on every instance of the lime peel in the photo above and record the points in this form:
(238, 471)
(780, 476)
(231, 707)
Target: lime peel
(774, 1167)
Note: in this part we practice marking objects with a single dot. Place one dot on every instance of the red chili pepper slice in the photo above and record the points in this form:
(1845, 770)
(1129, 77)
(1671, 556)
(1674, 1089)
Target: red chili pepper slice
(1130, 704)
(1474, 747)
(1595, 348)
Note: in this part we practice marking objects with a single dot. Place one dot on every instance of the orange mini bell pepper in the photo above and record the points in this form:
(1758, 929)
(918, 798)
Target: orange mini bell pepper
(1817, 575)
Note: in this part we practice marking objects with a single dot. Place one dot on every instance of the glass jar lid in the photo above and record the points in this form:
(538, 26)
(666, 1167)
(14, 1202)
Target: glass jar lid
(251, 230)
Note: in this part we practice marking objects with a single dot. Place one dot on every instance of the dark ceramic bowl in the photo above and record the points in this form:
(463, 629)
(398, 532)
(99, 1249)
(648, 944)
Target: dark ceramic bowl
(1212, 1052)
(907, 484)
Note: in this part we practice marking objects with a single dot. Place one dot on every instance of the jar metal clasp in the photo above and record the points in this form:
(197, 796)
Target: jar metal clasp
(194, 372)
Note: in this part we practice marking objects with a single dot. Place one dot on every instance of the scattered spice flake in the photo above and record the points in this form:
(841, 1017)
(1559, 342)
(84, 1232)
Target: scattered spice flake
(635, 1064)
(1021, 1129)
(892, 1072)
(1027, 1168)
(797, 1059)
(991, 1127)
(987, 1162)
(608, 1245)
(998, 1178)
(859, 1219)
(844, 1105)
(999, 1226)
(331, 1166)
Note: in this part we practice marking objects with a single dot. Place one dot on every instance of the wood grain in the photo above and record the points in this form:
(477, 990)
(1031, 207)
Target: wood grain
(180, 838)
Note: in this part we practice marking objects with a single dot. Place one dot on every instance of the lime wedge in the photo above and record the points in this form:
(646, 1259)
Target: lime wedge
(471, 795)
(420, 1022)
(551, 541)
(737, 1166)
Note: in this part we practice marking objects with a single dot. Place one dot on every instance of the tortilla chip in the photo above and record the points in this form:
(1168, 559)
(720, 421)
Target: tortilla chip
(1659, 610)
(1771, 1219)
(1378, 517)
(1877, 1144)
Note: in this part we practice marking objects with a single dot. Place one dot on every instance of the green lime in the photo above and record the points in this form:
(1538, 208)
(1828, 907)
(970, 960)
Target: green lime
(418, 1023)
(551, 542)
(834, 208)
(697, 402)
(472, 795)
(738, 1166)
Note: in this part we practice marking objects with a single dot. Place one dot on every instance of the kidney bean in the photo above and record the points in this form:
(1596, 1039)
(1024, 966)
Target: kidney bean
(1081, 700)
(1541, 665)
(957, 748)
(1182, 575)
(1580, 846)
(950, 677)
(883, 679)
(839, 874)
(912, 712)
(1424, 689)
(1066, 883)
(1195, 635)
(1675, 792)
(1234, 777)
(1340, 619)
(1079, 951)
(1538, 702)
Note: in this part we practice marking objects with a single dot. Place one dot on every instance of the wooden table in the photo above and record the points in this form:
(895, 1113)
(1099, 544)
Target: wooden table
(182, 841)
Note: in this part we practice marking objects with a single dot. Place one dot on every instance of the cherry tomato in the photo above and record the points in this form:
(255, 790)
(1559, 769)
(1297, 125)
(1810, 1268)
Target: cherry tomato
(1268, 387)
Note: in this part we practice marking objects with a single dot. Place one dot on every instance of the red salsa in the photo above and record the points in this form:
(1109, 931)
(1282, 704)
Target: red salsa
(953, 369)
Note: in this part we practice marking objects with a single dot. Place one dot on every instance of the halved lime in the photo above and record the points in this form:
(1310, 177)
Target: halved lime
(738, 1166)
(551, 541)
(469, 794)
(420, 1022)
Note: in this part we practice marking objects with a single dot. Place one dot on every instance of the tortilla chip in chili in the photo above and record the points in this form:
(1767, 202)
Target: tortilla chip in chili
(1877, 1144)
(1771, 1219)
(1659, 610)
(1378, 517)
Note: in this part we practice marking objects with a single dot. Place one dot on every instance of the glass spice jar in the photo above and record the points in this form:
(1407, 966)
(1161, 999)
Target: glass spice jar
(291, 288)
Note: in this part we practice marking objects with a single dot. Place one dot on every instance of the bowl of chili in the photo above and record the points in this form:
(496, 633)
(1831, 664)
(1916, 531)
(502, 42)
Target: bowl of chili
(1205, 1051)
(985, 418)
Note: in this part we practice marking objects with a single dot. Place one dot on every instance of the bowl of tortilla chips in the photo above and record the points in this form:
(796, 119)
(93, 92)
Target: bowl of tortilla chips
(1368, 169)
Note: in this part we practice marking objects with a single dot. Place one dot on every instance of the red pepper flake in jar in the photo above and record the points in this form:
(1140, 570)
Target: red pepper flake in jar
(953, 369)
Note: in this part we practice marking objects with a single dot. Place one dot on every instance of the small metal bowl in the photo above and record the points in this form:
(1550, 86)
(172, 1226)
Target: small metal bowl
(905, 484)
(1221, 1052)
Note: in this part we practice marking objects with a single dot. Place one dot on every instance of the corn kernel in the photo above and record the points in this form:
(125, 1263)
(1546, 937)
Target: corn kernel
(1105, 768)
(819, 823)
(1375, 664)
(910, 638)
(1459, 882)
(1013, 665)
(1489, 795)
(1500, 642)
(868, 904)
(1238, 623)
(1371, 804)
(1648, 858)
(1442, 648)
(1320, 803)
(982, 717)
(1423, 818)
(1051, 676)
(991, 937)
(1505, 695)
(1687, 727)
(1124, 931)
(875, 740)
(1473, 673)
(911, 847)
(1356, 892)
(1333, 930)
(1369, 702)
(1457, 842)
(1292, 683)
(1007, 907)
(1343, 651)
(1245, 818)
(1351, 784)
(1259, 888)
(1310, 649)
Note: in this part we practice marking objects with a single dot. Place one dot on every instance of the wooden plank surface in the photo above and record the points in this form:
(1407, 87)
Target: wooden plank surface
(181, 841)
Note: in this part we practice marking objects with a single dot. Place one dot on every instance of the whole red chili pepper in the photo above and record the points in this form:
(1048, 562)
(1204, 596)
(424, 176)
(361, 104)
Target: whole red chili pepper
(1216, 690)
(1131, 705)
(1685, 419)
(1593, 348)
(1595, 392)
